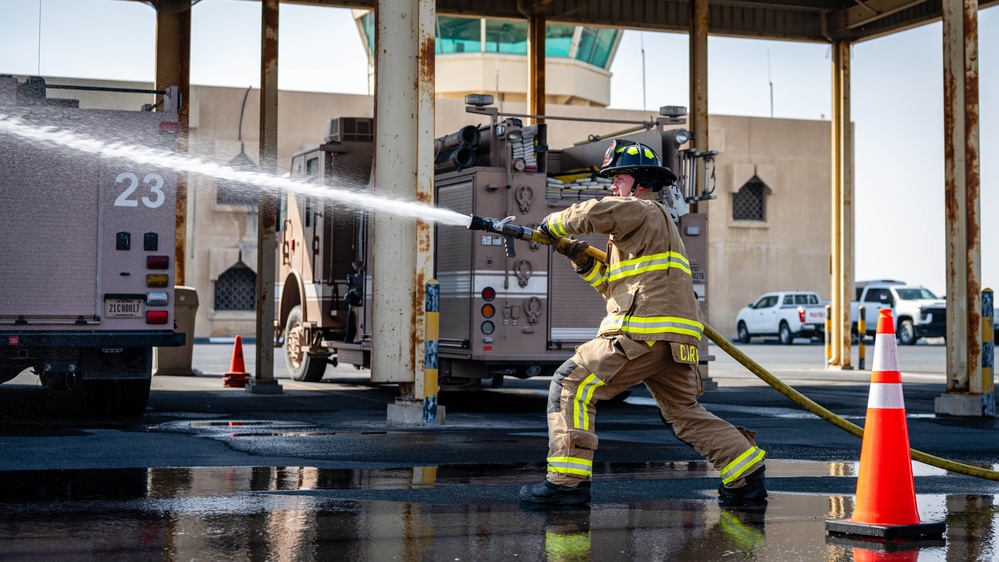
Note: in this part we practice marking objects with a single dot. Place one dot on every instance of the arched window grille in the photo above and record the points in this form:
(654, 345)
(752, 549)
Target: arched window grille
(236, 289)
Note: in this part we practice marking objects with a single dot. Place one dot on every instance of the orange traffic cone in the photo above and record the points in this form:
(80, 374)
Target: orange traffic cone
(236, 375)
(886, 491)
(867, 555)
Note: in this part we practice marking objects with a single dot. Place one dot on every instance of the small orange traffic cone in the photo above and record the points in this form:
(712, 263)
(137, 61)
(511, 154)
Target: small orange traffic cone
(886, 491)
(236, 375)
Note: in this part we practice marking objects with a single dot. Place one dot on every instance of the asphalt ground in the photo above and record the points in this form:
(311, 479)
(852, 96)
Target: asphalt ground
(227, 467)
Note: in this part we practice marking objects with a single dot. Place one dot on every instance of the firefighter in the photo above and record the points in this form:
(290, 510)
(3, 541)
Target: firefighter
(650, 334)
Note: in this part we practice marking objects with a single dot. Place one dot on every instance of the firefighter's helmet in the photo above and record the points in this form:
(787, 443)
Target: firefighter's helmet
(638, 160)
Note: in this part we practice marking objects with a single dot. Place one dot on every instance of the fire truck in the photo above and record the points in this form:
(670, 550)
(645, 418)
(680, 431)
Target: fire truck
(86, 285)
(500, 315)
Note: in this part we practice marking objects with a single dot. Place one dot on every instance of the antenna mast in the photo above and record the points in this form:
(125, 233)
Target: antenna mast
(771, 80)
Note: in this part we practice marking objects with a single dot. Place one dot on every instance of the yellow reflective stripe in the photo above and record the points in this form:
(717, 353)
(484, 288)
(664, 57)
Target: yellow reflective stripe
(652, 325)
(581, 402)
(574, 546)
(555, 225)
(745, 536)
(570, 465)
(595, 276)
(738, 467)
(655, 262)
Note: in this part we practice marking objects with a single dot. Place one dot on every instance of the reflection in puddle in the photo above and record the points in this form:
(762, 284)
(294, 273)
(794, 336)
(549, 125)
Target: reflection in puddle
(440, 513)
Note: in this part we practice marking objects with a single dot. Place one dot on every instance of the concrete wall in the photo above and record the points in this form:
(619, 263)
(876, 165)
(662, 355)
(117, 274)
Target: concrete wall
(790, 249)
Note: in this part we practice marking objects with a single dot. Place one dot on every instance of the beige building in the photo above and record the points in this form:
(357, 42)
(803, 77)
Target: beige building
(768, 229)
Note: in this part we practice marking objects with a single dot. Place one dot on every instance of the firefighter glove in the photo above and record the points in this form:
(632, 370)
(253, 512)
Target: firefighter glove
(575, 250)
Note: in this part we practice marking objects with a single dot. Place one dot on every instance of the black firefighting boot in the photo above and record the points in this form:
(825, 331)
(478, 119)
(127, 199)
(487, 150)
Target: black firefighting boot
(753, 492)
(553, 494)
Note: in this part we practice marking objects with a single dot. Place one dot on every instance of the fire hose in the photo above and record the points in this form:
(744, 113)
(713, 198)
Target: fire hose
(513, 232)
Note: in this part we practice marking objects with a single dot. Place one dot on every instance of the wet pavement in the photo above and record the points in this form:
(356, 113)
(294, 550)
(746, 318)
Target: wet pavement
(213, 473)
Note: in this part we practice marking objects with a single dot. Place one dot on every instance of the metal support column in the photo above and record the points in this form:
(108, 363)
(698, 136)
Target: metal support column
(173, 68)
(402, 253)
(962, 200)
(841, 235)
(263, 382)
(699, 78)
(698, 115)
(536, 63)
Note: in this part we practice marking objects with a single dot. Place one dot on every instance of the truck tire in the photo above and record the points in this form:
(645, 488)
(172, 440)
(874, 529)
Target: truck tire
(786, 337)
(744, 336)
(302, 366)
(906, 332)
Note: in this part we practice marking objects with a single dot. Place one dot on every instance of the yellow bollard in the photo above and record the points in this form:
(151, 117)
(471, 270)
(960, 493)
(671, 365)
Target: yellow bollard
(828, 334)
(988, 353)
(861, 336)
(430, 357)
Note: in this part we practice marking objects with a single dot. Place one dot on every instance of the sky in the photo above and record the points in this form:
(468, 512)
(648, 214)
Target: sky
(896, 104)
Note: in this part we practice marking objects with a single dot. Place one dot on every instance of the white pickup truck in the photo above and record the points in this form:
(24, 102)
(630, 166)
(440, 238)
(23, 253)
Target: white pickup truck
(917, 311)
(786, 314)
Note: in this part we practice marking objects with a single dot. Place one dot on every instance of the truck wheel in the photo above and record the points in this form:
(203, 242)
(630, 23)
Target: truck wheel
(786, 337)
(744, 336)
(302, 366)
(906, 332)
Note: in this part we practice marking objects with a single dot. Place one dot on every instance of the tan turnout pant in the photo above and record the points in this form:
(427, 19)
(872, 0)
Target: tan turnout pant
(608, 365)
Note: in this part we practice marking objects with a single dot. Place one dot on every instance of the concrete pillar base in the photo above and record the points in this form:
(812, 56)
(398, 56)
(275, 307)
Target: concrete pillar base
(263, 387)
(958, 405)
(839, 367)
(410, 412)
(708, 384)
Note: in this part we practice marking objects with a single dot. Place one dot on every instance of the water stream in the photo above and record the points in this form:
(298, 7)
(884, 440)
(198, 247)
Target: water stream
(141, 155)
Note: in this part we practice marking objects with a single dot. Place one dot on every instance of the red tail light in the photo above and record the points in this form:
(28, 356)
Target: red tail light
(157, 262)
(801, 314)
(156, 317)
(488, 294)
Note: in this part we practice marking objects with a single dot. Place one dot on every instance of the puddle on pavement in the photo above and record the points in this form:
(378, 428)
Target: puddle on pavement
(453, 512)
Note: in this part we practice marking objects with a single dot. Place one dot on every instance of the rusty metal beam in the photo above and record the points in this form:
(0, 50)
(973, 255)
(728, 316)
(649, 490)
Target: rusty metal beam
(796, 20)
(841, 234)
(873, 10)
(698, 33)
(536, 63)
(962, 199)
(173, 68)
(698, 19)
(263, 382)
(404, 137)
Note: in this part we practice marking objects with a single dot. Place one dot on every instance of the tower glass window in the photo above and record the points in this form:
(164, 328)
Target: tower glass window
(595, 45)
(508, 37)
(458, 35)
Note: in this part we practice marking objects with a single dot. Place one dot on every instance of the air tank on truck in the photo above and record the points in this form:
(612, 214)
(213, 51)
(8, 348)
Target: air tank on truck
(500, 315)
(88, 248)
